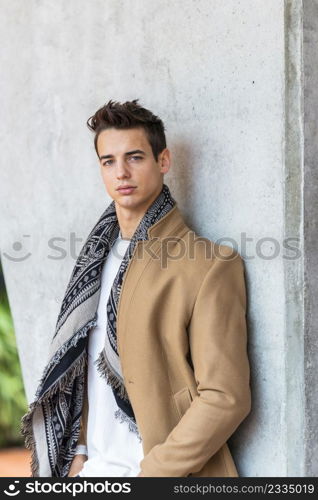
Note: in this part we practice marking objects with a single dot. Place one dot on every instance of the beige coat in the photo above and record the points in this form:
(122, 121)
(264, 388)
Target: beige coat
(181, 332)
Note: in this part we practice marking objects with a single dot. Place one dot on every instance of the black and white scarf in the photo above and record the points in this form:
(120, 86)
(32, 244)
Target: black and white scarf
(52, 425)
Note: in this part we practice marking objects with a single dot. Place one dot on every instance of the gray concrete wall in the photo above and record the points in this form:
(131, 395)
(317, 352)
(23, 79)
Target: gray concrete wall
(293, 398)
(226, 78)
(311, 234)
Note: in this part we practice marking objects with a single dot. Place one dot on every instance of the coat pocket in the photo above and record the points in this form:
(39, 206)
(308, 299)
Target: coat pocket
(183, 400)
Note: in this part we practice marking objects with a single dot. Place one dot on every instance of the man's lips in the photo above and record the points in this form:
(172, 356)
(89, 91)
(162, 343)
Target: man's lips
(126, 189)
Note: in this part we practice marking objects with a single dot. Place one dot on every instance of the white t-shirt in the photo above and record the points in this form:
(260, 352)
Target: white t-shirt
(112, 450)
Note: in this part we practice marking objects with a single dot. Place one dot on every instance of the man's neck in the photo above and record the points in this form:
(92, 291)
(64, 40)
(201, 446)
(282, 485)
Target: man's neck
(128, 222)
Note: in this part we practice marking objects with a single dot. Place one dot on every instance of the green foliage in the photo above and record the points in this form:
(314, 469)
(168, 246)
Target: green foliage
(12, 396)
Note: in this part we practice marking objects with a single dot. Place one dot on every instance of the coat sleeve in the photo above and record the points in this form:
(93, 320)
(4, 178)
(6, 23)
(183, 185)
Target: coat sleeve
(218, 346)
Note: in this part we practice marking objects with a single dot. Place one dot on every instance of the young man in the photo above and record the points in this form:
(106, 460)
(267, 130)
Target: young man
(148, 372)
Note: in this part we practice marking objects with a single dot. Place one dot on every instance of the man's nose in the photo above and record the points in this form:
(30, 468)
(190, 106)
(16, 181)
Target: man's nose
(122, 169)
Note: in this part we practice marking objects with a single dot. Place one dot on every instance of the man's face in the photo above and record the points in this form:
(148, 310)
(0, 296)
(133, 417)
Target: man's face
(126, 159)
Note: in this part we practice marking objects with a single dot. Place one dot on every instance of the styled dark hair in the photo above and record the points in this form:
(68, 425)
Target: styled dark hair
(129, 115)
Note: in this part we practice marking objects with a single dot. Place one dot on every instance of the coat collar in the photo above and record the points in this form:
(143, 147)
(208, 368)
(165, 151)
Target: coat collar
(167, 225)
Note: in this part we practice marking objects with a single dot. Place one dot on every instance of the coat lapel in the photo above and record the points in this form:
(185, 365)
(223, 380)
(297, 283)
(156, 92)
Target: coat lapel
(143, 253)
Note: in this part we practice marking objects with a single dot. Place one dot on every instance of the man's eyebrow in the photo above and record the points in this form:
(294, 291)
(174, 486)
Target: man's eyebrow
(133, 152)
(140, 151)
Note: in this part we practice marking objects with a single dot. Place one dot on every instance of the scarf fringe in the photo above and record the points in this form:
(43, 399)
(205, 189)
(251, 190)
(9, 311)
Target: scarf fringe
(29, 441)
(106, 372)
(122, 417)
(76, 369)
(72, 342)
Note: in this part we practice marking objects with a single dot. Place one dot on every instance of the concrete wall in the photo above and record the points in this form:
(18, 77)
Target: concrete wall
(311, 234)
(226, 79)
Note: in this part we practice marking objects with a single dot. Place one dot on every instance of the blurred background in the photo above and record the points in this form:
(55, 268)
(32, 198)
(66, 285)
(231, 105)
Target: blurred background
(14, 458)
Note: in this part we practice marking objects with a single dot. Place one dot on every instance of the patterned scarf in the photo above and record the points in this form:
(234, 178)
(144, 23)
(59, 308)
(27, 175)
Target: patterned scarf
(52, 425)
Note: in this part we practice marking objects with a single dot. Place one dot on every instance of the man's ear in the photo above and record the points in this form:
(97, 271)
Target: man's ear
(164, 160)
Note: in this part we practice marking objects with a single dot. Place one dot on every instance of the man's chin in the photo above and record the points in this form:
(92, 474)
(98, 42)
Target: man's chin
(127, 202)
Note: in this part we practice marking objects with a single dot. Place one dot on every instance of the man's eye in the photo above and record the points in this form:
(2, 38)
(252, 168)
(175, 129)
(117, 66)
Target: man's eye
(136, 157)
(107, 163)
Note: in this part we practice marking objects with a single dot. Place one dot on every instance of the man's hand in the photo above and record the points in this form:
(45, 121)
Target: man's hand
(77, 465)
